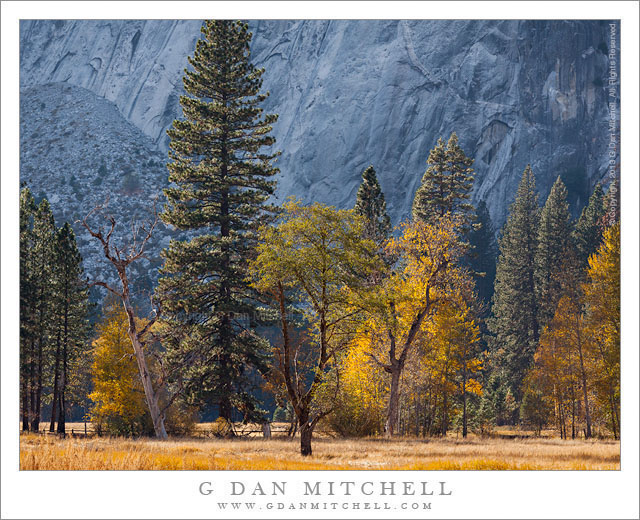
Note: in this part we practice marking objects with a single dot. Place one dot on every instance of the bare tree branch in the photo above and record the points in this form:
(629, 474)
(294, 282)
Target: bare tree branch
(121, 258)
(106, 286)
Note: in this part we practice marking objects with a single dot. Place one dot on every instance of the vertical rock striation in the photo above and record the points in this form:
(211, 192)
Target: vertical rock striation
(352, 93)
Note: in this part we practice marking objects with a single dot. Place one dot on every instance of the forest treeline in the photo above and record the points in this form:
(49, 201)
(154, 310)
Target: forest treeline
(419, 329)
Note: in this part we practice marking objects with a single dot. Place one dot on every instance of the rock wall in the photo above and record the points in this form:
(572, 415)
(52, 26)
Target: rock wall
(352, 93)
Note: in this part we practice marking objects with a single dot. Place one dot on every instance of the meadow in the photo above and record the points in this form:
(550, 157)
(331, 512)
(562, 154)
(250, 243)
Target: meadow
(49, 452)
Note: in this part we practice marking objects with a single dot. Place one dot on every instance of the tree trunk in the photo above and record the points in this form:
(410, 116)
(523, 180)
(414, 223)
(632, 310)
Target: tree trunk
(613, 413)
(464, 403)
(138, 348)
(62, 404)
(573, 415)
(149, 393)
(224, 408)
(394, 396)
(584, 389)
(62, 407)
(35, 422)
(443, 425)
(293, 428)
(306, 431)
(25, 402)
(56, 375)
(32, 399)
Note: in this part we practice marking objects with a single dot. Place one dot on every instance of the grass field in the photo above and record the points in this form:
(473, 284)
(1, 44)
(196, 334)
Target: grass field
(48, 452)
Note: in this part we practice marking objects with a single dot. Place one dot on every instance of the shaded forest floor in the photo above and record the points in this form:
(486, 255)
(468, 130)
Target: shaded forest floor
(48, 452)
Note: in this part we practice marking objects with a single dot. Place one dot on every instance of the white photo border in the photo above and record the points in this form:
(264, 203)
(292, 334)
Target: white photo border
(489, 494)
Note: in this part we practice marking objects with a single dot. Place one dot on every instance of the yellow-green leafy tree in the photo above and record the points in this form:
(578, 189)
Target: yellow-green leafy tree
(602, 299)
(309, 264)
(456, 338)
(364, 386)
(561, 371)
(429, 275)
(119, 402)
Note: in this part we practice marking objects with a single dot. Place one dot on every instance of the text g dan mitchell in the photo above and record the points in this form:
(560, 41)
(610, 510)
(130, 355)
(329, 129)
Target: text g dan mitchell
(328, 488)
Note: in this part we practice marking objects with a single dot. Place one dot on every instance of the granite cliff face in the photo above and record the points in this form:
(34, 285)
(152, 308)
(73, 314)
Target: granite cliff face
(354, 93)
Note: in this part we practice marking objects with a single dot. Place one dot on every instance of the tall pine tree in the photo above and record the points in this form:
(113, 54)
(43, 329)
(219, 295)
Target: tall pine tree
(446, 185)
(371, 205)
(514, 323)
(552, 255)
(41, 262)
(483, 253)
(587, 235)
(221, 180)
(27, 302)
(70, 318)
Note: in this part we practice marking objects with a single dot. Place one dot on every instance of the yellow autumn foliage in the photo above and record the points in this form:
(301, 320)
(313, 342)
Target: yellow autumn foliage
(118, 397)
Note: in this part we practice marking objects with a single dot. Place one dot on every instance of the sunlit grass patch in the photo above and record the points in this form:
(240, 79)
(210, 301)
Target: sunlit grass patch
(39, 452)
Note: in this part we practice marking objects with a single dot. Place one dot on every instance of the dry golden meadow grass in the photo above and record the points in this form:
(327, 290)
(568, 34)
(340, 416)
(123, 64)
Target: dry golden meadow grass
(47, 452)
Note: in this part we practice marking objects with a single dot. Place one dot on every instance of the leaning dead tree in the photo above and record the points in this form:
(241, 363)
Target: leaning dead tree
(122, 258)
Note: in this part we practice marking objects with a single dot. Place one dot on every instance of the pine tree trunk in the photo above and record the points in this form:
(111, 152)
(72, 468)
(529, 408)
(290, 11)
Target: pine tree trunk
(54, 401)
(25, 403)
(224, 408)
(35, 423)
(62, 406)
(394, 396)
(27, 386)
(32, 398)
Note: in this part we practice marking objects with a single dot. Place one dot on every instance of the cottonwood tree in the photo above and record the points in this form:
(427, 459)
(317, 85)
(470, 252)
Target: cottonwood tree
(121, 257)
(221, 177)
(602, 299)
(118, 397)
(314, 256)
(561, 365)
(459, 333)
(430, 275)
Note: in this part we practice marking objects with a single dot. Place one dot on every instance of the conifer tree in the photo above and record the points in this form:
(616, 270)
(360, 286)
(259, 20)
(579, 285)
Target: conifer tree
(221, 181)
(552, 254)
(27, 301)
(70, 311)
(371, 205)
(587, 235)
(514, 322)
(446, 185)
(41, 264)
(483, 253)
